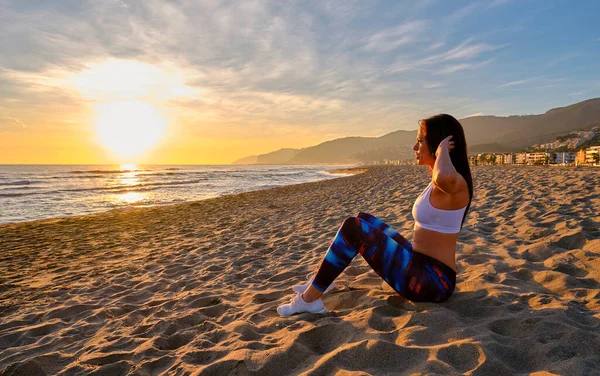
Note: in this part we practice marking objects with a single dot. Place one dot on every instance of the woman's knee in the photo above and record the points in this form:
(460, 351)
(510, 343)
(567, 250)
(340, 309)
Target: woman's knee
(351, 224)
(350, 229)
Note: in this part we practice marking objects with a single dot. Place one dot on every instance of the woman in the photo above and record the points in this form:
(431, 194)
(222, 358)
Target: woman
(421, 271)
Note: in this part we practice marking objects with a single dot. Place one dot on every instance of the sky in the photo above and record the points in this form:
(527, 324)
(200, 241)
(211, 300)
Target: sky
(209, 82)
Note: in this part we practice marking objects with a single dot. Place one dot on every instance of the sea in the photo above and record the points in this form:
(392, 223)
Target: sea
(30, 192)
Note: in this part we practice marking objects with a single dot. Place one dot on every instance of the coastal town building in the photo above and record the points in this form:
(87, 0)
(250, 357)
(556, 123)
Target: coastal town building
(537, 158)
(508, 158)
(564, 158)
(588, 157)
(592, 155)
(580, 157)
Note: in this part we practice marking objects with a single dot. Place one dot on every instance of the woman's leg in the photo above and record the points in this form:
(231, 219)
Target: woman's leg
(382, 226)
(412, 275)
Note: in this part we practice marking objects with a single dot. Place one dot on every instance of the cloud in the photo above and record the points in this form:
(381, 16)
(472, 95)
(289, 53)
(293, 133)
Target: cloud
(563, 59)
(497, 3)
(514, 83)
(465, 51)
(463, 12)
(435, 46)
(10, 122)
(431, 85)
(477, 114)
(465, 66)
(395, 37)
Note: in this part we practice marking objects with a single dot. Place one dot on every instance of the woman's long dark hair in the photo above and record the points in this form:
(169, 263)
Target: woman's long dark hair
(439, 127)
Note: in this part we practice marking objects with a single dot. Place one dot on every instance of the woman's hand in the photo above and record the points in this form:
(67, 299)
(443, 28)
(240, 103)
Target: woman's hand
(445, 145)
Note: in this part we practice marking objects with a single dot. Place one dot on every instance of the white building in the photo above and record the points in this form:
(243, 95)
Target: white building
(562, 158)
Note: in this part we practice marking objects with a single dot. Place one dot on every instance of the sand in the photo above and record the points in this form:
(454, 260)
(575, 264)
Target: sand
(191, 289)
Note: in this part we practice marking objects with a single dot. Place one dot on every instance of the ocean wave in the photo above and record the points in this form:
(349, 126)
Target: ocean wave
(133, 187)
(19, 182)
(142, 187)
(225, 171)
(170, 173)
(19, 188)
(14, 194)
(104, 171)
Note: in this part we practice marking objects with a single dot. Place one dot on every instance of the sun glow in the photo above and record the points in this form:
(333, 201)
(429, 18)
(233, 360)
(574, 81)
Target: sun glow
(116, 80)
(129, 127)
(128, 167)
(131, 101)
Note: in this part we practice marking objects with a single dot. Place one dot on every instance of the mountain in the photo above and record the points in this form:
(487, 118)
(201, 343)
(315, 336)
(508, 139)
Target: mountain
(483, 133)
(276, 156)
(574, 141)
(522, 131)
(492, 148)
(247, 160)
(345, 150)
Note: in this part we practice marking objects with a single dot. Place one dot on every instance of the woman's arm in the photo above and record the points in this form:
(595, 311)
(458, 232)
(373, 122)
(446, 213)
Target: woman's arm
(444, 174)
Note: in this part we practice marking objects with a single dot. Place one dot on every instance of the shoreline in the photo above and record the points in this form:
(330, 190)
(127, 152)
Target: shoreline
(341, 172)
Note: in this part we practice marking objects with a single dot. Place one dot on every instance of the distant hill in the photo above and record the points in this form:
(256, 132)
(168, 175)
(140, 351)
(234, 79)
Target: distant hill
(277, 156)
(345, 150)
(582, 138)
(247, 160)
(522, 131)
(491, 148)
(483, 133)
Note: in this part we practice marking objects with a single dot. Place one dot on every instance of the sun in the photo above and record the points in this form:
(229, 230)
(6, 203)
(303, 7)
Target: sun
(128, 128)
(132, 101)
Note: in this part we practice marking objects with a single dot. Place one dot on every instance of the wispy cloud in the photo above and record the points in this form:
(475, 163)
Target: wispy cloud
(463, 12)
(563, 59)
(432, 85)
(477, 114)
(435, 46)
(465, 66)
(19, 122)
(496, 3)
(466, 50)
(10, 122)
(514, 83)
(394, 37)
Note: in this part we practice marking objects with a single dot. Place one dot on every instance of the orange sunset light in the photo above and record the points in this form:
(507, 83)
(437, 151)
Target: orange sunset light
(128, 97)
(129, 127)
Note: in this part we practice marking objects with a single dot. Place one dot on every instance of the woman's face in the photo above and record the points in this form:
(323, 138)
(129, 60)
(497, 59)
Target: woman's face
(423, 155)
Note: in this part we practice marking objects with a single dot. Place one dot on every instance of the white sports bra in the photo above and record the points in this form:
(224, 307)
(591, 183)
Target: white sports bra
(430, 218)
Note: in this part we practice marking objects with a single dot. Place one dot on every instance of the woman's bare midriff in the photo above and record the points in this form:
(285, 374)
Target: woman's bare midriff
(441, 247)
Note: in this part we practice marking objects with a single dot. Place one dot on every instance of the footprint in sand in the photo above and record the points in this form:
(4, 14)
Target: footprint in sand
(463, 357)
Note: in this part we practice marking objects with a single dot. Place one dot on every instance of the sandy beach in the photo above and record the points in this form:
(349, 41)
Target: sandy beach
(191, 289)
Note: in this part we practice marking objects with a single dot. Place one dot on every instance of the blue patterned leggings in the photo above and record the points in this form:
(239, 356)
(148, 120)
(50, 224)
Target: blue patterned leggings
(413, 275)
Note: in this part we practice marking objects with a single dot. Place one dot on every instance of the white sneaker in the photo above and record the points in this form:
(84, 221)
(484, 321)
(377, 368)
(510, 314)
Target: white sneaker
(311, 276)
(298, 305)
